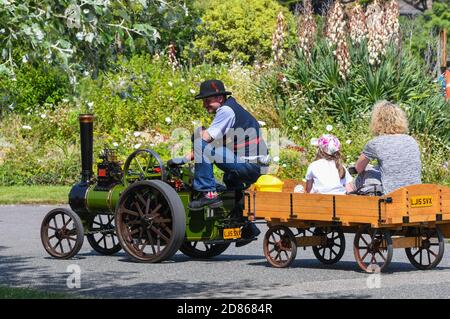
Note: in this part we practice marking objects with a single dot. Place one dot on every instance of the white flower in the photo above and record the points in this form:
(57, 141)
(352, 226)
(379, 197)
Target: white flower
(284, 165)
(26, 127)
(192, 91)
(136, 146)
(262, 123)
(329, 128)
(182, 80)
(43, 116)
(284, 79)
(137, 134)
(276, 159)
(39, 34)
(348, 142)
(115, 144)
(168, 120)
(80, 36)
(2, 30)
(295, 128)
(170, 83)
(25, 58)
(86, 11)
(89, 37)
(90, 104)
(314, 141)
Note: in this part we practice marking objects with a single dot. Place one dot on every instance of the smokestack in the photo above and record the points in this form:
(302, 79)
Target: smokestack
(86, 140)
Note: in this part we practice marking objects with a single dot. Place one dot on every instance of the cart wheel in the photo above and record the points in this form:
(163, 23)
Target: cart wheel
(334, 248)
(104, 240)
(373, 249)
(150, 221)
(280, 247)
(199, 249)
(430, 253)
(62, 233)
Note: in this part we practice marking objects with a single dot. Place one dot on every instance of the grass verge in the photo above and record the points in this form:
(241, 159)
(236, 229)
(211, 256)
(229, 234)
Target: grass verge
(28, 293)
(34, 194)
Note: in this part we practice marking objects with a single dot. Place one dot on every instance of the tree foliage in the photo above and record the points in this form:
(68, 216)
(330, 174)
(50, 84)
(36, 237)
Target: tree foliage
(85, 35)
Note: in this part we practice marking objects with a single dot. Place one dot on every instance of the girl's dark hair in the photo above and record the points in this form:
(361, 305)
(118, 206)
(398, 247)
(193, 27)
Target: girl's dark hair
(336, 157)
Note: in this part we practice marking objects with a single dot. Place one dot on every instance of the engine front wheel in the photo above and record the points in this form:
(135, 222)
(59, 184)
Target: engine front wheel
(62, 233)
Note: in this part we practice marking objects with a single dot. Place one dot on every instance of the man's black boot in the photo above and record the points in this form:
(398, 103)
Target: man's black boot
(248, 234)
(206, 200)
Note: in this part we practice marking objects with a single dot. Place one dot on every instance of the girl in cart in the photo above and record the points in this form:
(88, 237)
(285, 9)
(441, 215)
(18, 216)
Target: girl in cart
(327, 174)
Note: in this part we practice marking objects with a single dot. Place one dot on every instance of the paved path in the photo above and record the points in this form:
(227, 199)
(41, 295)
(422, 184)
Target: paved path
(238, 273)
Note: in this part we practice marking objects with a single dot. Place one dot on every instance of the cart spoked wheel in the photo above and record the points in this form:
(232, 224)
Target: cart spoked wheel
(62, 233)
(334, 245)
(373, 249)
(280, 247)
(141, 165)
(430, 252)
(102, 235)
(199, 249)
(150, 221)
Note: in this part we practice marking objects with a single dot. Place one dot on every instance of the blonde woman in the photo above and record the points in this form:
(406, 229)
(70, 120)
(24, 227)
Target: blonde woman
(397, 153)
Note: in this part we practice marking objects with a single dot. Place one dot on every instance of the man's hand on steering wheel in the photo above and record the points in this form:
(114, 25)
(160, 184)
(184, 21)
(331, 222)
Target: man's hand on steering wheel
(177, 161)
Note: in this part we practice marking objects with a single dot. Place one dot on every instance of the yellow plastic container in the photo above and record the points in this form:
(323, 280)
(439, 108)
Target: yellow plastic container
(269, 183)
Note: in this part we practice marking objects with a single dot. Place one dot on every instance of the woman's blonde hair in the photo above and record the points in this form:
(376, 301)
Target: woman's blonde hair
(336, 157)
(388, 118)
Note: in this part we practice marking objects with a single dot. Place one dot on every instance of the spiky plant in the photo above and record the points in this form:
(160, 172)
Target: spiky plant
(336, 34)
(172, 57)
(306, 29)
(358, 28)
(376, 44)
(392, 26)
(278, 39)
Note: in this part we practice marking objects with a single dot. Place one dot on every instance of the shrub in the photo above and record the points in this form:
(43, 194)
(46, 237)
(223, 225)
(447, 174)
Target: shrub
(33, 87)
(237, 30)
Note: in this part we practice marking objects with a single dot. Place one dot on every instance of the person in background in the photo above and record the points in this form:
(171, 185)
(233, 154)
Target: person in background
(327, 174)
(396, 152)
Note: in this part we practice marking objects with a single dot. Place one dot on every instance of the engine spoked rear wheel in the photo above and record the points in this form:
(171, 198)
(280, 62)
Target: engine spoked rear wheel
(103, 238)
(150, 221)
(62, 233)
(199, 249)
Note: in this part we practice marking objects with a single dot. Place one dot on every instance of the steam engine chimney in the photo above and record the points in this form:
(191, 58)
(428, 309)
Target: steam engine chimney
(86, 140)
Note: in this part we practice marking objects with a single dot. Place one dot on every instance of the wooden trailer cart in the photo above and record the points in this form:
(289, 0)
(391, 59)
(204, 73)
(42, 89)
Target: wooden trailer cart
(415, 218)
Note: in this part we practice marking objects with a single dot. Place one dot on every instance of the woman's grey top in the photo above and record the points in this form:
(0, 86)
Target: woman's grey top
(398, 158)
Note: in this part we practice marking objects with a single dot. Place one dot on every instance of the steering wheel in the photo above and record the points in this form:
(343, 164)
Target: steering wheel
(143, 164)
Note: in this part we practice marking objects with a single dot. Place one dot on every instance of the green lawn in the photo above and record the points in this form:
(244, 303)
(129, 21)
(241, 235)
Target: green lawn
(34, 194)
(27, 293)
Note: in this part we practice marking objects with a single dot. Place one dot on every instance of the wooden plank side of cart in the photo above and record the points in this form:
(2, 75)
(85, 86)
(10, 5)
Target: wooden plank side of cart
(424, 203)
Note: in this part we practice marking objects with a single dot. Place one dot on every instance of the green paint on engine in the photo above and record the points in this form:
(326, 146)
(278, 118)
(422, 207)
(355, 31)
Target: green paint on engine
(201, 225)
(103, 202)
